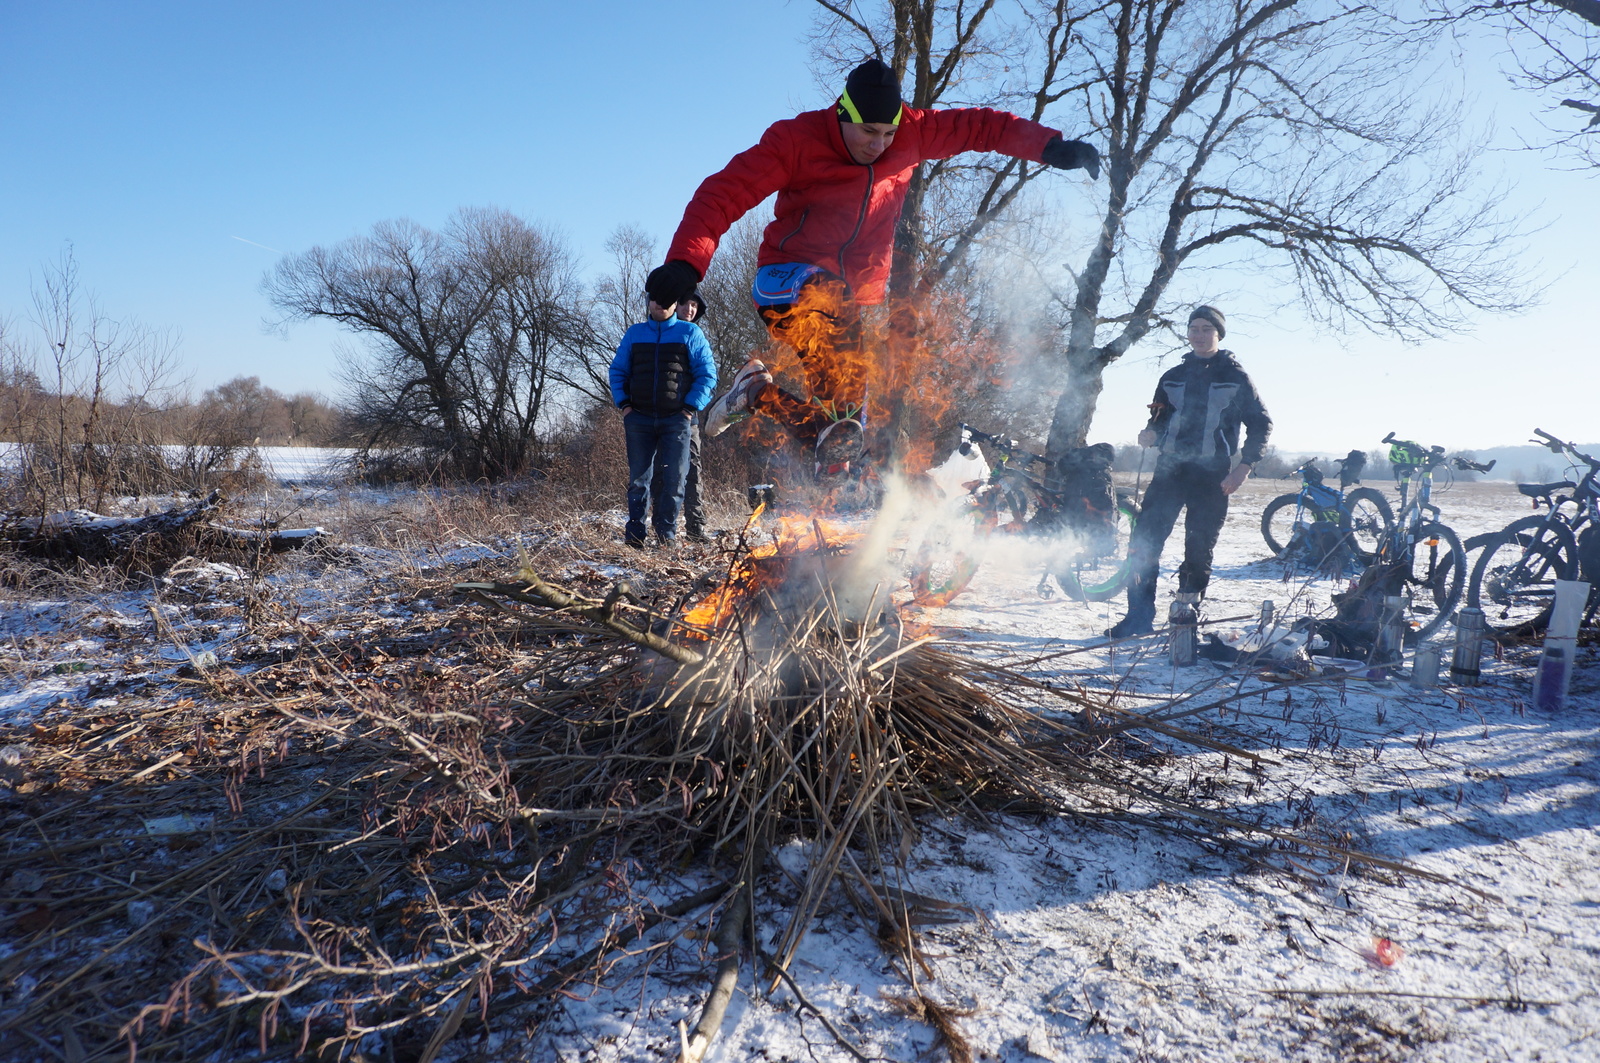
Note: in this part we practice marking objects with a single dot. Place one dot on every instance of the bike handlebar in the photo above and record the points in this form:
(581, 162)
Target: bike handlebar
(1009, 447)
(1475, 466)
(1557, 446)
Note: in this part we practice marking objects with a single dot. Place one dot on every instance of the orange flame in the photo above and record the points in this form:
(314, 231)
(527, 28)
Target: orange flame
(764, 566)
(917, 367)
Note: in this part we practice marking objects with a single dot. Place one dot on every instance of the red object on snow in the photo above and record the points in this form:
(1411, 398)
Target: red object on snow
(1386, 952)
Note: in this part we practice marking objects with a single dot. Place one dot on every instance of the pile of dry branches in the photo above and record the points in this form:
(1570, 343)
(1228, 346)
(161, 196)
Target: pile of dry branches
(435, 842)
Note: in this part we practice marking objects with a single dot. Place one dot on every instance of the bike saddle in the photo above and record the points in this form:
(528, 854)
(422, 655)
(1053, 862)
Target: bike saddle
(1546, 490)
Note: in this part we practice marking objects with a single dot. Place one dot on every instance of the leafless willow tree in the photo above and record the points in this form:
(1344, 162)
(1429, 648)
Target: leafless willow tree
(467, 331)
(1284, 140)
(1556, 47)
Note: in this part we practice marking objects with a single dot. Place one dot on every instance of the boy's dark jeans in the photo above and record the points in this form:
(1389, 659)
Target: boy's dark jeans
(1194, 486)
(657, 446)
(694, 510)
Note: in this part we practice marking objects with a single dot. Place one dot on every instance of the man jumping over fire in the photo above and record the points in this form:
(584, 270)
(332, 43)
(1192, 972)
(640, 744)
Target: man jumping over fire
(841, 175)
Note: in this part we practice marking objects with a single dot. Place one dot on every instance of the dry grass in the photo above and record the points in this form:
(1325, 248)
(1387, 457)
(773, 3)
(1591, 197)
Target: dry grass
(402, 808)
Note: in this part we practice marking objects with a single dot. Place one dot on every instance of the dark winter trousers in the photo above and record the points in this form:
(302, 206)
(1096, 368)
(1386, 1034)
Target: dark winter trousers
(1197, 487)
(694, 511)
(657, 447)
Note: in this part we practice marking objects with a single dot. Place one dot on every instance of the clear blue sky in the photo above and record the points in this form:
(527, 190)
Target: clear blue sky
(156, 138)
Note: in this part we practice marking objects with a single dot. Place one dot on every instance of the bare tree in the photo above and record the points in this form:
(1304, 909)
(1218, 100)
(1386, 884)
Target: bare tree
(1556, 46)
(732, 326)
(1278, 136)
(618, 303)
(467, 330)
(88, 405)
(947, 54)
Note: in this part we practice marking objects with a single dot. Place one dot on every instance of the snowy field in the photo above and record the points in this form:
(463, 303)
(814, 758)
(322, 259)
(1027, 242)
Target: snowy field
(1069, 940)
(1086, 944)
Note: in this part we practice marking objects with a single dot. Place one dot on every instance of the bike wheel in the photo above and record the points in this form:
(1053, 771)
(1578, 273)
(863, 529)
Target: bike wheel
(1364, 520)
(1514, 581)
(1095, 575)
(1278, 520)
(1436, 578)
(947, 560)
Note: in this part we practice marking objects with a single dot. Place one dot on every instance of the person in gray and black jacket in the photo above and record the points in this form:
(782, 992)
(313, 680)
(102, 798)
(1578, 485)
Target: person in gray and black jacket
(1199, 406)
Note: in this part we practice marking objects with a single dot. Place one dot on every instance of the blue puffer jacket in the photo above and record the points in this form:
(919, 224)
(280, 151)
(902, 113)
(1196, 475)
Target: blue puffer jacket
(662, 368)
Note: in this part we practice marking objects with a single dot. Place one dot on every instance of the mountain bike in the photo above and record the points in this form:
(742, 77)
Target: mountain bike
(1514, 581)
(1323, 518)
(1086, 531)
(1419, 557)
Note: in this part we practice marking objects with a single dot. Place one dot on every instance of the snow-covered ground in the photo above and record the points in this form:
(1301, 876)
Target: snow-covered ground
(1130, 944)
(1084, 940)
(283, 464)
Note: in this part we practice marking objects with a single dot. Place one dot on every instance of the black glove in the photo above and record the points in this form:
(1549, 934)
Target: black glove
(1072, 155)
(671, 283)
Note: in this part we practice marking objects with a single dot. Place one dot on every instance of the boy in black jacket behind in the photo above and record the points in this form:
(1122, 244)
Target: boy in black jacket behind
(1195, 417)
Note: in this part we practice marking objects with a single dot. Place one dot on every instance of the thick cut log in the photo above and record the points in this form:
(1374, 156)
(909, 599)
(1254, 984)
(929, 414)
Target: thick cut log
(81, 535)
(273, 540)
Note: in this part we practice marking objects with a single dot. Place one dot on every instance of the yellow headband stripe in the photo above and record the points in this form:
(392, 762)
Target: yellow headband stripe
(854, 113)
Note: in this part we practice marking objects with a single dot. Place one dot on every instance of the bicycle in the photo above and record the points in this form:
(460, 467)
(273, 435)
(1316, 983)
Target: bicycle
(1514, 579)
(1408, 557)
(1090, 562)
(1361, 516)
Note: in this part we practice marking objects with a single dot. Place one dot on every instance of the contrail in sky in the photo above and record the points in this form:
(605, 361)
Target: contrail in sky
(263, 247)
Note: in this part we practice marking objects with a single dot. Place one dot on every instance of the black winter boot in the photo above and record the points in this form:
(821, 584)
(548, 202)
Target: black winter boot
(1141, 618)
(1135, 623)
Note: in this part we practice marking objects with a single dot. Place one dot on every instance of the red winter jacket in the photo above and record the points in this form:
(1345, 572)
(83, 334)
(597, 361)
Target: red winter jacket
(832, 211)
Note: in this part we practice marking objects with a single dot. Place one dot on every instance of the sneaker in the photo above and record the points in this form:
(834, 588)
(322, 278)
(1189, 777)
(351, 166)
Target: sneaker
(736, 401)
(838, 444)
(1129, 627)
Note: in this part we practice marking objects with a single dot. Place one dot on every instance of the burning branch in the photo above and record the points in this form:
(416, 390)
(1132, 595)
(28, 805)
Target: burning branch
(535, 591)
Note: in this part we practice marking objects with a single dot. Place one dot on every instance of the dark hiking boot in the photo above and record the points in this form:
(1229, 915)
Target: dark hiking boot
(735, 403)
(1131, 626)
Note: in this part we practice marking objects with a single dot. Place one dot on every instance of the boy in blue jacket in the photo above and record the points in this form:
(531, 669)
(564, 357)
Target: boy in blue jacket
(662, 376)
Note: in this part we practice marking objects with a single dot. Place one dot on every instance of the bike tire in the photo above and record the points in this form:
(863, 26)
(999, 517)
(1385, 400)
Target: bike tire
(1106, 576)
(1514, 579)
(1278, 537)
(940, 572)
(1365, 520)
(1441, 574)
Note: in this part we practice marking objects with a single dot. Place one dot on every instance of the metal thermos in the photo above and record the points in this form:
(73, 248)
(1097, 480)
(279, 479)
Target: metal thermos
(1425, 667)
(1469, 646)
(1184, 620)
(1389, 646)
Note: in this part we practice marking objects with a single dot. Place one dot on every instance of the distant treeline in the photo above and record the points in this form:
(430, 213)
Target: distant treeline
(240, 412)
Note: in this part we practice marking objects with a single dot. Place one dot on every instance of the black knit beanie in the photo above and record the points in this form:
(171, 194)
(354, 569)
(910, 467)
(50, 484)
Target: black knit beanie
(700, 305)
(1213, 315)
(871, 94)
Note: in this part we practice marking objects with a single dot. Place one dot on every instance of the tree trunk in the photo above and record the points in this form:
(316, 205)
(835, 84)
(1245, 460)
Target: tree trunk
(1069, 428)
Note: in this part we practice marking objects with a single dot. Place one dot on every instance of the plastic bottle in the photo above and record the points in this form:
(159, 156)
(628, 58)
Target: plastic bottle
(1550, 681)
(1554, 673)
